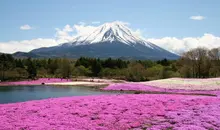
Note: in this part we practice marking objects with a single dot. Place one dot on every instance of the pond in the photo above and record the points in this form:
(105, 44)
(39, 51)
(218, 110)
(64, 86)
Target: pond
(12, 94)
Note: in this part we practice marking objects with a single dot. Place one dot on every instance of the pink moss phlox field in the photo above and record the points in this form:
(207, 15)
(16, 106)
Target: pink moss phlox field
(115, 112)
(36, 82)
(147, 88)
(187, 84)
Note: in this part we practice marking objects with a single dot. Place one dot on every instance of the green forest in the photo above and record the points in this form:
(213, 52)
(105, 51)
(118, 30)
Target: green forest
(196, 63)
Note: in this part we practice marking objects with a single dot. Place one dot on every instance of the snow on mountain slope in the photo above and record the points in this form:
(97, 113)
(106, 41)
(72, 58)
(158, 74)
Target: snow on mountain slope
(109, 32)
(108, 40)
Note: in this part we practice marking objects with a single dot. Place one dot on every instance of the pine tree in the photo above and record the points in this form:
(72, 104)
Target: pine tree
(96, 67)
(31, 68)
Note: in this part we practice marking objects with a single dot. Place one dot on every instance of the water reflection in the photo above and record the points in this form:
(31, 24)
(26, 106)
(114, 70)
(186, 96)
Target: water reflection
(11, 94)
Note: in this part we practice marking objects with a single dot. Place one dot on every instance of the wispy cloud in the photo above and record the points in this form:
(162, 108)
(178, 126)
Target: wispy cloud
(198, 17)
(96, 22)
(26, 45)
(68, 33)
(82, 23)
(26, 27)
(179, 46)
(65, 34)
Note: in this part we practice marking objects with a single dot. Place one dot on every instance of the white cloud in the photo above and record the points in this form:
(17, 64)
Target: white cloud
(83, 30)
(68, 33)
(25, 45)
(82, 23)
(64, 35)
(197, 17)
(179, 46)
(68, 28)
(121, 22)
(138, 33)
(26, 27)
(96, 22)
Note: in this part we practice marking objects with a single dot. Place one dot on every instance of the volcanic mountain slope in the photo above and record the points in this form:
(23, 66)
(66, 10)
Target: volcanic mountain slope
(114, 40)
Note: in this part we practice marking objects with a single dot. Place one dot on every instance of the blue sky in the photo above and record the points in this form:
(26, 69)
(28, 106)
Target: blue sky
(155, 18)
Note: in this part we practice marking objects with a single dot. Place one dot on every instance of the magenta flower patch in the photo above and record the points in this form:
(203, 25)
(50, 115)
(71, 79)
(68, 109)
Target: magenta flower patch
(161, 88)
(114, 112)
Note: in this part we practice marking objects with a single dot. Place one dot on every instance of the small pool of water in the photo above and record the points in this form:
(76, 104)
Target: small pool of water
(12, 94)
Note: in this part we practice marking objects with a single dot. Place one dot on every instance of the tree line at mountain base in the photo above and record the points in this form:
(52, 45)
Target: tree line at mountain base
(196, 63)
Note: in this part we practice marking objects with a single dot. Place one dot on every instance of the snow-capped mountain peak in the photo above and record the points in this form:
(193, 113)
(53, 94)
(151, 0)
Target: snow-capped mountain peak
(114, 31)
(108, 40)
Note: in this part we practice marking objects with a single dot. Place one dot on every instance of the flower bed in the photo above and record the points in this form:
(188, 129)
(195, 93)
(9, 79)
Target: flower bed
(186, 84)
(159, 89)
(172, 85)
(114, 112)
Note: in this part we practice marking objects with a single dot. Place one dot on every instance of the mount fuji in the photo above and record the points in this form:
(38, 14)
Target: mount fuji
(113, 40)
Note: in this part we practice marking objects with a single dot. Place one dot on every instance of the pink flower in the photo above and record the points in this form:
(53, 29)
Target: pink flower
(126, 111)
